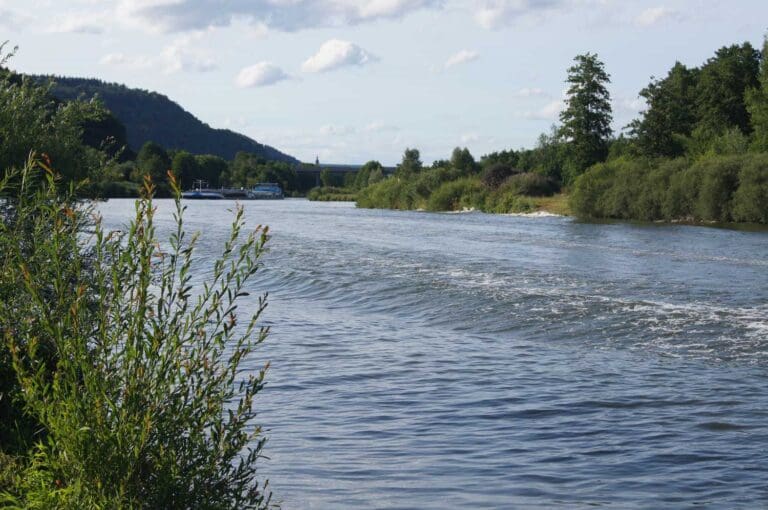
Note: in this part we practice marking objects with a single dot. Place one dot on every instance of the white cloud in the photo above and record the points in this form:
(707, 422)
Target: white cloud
(493, 14)
(286, 15)
(467, 138)
(530, 92)
(121, 59)
(655, 15)
(334, 54)
(550, 111)
(378, 127)
(181, 55)
(78, 25)
(260, 75)
(175, 57)
(461, 57)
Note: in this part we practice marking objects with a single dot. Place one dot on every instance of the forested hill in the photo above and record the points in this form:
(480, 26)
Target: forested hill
(149, 116)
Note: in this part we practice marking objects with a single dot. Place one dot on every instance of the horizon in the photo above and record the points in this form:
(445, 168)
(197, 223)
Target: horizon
(350, 82)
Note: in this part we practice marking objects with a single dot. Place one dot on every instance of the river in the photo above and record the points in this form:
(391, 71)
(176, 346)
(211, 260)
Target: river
(437, 361)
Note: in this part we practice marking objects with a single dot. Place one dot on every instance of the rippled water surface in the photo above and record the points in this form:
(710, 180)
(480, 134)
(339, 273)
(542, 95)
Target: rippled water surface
(468, 360)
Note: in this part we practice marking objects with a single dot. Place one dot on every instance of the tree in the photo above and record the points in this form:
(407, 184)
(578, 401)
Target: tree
(31, 119)
(184, 166)
(212, 168)
(723, 83)
(325, 177)
(411, 163)
(757, 104)
(587, 116)
(670, 115)
(152, 160)
(363, 176)
(462, 160)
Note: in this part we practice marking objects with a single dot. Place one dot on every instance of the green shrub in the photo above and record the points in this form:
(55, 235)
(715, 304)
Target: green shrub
(392, 193)
(144, 403)
(719, 181)
(466, 193)
(505, 201)
(750, 202)
(331, 194)
(531, 184)
(588, 194)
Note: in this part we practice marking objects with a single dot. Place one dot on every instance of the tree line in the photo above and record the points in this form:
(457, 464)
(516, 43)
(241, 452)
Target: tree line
(697, 151)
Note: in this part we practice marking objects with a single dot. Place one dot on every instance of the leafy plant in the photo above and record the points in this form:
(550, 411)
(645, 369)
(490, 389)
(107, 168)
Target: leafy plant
(135, 376)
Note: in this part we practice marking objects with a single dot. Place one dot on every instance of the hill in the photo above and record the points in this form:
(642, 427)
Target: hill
(149, 116)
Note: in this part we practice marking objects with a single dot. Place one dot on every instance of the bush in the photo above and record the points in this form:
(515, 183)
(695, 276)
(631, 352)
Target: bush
(331, 194)
(466, 193)
(497, 173)
(532, 185)
(717, 185)
(143, 403)
(392, 193)
(750, 202)
(588, 195)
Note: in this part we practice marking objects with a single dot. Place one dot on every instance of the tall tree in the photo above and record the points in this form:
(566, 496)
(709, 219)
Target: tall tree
(724, 80)
(670, 113)
(185, 167)
(587, 116)
(410, 164)
(463, 161)
(757, 104)
(152, 160)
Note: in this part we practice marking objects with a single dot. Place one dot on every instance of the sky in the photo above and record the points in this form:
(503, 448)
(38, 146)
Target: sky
(353, 80)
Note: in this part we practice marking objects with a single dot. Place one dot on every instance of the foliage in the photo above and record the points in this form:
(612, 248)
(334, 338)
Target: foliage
(462, 160)
(461, 194)
(133, 374)
(392, 193)
(670, 115)
(587, 116)
(757, 104)
(713, 188)
(410, 164)
(496, 173)
(722, 84)
(31, 119)
(531, 184)
(331, 194)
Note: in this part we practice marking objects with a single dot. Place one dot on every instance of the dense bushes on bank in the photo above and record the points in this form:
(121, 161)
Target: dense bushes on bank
(714, 188)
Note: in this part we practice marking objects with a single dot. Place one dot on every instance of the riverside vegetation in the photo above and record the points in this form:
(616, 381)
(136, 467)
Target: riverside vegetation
(121, 382)
(699, 152)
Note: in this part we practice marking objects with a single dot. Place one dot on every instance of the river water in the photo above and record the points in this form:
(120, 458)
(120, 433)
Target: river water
(426, 360)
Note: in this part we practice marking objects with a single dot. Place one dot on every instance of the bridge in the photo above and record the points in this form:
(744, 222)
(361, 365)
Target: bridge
(314, 169)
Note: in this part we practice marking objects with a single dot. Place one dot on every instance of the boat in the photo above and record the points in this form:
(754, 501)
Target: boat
(261, 191)
(202, 194)
(266, 191)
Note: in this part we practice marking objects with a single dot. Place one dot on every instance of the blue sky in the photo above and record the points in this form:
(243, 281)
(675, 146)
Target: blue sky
(354, 80)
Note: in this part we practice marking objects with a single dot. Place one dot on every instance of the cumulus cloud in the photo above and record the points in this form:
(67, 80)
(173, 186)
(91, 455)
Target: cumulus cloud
(121, 59)
(180, 55)
(286, 15)
(334, 54)
(655, 15)
(550, 111)
(260, 74)
(530, 92)
(78, 25)
(461, 57)
(493, 14)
